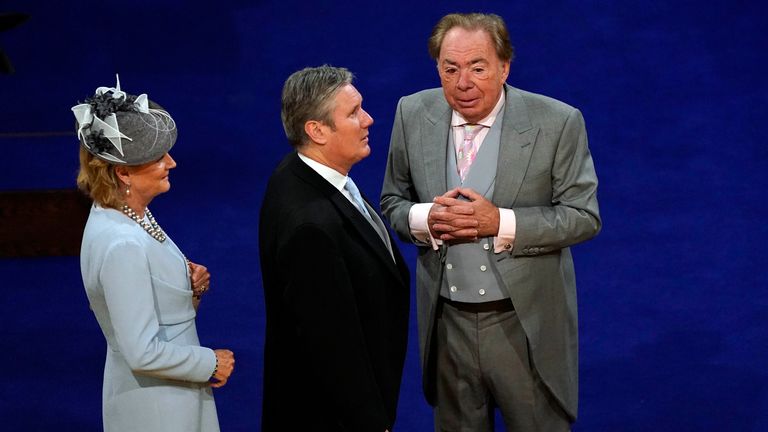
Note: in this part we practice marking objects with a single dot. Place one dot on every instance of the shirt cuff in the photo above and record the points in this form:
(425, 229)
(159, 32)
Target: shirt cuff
(505, 240)
(418, 222)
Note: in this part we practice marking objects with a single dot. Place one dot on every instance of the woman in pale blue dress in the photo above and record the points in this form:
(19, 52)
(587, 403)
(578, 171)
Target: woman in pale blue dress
(141, 288)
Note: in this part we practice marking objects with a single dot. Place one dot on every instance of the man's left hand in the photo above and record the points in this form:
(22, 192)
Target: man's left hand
(485, 213)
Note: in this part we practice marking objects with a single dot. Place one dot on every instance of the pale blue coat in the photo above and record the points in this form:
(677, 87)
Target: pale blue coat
(156, 372)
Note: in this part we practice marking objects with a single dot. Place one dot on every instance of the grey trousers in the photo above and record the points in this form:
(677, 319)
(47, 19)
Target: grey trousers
(483, 363)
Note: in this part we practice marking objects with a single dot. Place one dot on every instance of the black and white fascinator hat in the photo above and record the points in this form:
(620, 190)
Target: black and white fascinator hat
(124, 129)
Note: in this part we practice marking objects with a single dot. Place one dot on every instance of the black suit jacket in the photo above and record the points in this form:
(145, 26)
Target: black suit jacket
(337, 309)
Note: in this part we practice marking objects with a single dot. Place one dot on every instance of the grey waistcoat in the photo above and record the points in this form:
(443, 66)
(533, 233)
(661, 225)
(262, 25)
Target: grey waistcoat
(469, 272)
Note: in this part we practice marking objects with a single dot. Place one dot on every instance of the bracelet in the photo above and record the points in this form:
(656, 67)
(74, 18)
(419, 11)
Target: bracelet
(215, 368)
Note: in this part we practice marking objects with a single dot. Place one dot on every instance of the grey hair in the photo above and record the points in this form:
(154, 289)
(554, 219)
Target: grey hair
(308, 95)
(492, 24)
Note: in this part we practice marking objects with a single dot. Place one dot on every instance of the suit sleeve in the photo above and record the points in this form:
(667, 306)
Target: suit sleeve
(397, 192)
(573, 215)
(125, 277)
(321, 298)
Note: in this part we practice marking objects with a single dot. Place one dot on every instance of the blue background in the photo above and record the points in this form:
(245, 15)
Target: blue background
(672, 294)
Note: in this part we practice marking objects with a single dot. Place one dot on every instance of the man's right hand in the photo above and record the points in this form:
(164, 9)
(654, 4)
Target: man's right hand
(451, 218)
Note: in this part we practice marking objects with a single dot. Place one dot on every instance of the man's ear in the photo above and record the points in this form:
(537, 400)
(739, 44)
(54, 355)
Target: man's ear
(505, 71)
(317, 131)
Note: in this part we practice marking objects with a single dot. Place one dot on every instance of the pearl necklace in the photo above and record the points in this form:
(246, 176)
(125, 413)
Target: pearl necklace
(152, 228)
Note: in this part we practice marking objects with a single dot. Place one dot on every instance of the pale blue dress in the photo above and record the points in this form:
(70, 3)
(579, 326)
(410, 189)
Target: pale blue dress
(156, 372)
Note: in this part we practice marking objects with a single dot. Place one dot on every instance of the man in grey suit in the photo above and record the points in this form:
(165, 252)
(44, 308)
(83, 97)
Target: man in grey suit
(494, 184)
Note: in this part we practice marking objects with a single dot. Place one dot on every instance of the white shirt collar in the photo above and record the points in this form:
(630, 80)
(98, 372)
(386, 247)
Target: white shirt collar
(337, 179)
(458, 120)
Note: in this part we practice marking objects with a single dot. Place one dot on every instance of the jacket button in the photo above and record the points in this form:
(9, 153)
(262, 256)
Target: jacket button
(449, 266)
(453, 289)
(483, 268)
(487, 247)
(481, 292)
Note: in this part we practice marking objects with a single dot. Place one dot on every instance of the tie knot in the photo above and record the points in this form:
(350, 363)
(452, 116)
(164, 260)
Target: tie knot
(471, 130)
(352, 187)
(354, 192)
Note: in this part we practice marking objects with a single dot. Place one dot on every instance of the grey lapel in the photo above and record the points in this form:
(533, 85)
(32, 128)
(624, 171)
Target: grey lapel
(434, 138)
(517, 140)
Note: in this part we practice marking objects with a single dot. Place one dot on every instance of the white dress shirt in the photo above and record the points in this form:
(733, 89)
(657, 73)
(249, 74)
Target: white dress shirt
(335, 178)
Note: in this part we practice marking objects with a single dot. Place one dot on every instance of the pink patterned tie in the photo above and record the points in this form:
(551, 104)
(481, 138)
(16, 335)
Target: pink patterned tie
(467, 151)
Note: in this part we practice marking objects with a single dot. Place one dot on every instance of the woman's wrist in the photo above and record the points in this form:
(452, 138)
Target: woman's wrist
(216, 367)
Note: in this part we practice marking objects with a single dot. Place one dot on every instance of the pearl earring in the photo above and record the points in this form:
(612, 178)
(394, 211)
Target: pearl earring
(128, 190)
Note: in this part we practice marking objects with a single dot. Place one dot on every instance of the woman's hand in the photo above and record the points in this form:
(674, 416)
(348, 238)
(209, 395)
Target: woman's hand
(200, 278)
(225, 361)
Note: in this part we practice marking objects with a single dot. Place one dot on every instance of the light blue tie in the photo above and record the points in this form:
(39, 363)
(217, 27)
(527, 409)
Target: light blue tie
(355, 193)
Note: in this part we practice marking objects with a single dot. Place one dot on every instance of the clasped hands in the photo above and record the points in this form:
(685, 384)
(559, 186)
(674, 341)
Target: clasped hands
(454, 219)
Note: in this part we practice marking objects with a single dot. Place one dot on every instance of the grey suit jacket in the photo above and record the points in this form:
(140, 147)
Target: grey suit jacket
(546, 175)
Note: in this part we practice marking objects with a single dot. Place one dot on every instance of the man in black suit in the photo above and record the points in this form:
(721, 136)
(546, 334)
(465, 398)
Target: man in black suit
(335, 284)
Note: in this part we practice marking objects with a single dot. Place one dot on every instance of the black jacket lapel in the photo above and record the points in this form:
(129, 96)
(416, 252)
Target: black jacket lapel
(349, 212)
